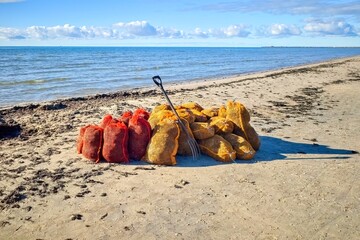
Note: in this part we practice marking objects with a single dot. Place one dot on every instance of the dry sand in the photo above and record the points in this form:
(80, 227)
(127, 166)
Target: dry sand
(302, 184)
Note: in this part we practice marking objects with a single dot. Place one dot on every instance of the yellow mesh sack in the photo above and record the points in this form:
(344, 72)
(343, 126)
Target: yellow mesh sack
(192, 105)
(156, 117)
(211, 112)
(161, 107)
(222, 111)
(238, 114)
(199, 116)
(202, 130)
(163, 144)
(186, 114)
(243, 149)
(184, 148)
(221, 125)
(217, 148)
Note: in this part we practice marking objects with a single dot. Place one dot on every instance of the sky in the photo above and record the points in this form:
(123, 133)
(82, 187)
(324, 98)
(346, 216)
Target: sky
(214, 23)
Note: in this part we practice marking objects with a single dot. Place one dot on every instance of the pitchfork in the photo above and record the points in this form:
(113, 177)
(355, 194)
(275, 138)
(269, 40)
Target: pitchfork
(195, 149)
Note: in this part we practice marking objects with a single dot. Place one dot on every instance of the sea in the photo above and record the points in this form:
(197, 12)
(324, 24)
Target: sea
(37, 74)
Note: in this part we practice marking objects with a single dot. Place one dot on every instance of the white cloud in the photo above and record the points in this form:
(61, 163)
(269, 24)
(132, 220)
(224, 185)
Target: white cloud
(200, 33)
(330, 27)
(136, 28)
(65, 31)
(119, 30)
(143, 29)
(282, 30)
(238, 30)
(170, 33)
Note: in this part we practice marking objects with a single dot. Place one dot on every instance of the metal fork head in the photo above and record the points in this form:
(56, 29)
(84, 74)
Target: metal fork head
(194, 146)
(195, 149)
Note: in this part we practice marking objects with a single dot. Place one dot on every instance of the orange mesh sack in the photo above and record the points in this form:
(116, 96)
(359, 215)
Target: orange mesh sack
(242, 147)
(92, 143)
(139, 136)
(115, 143)
(125, 117)
(221, 125)
(202, 130)
(80, 140)
(217, 148)
(184, 148)
(238, 114)
(142, 113)
(163, 144)
(106, 120)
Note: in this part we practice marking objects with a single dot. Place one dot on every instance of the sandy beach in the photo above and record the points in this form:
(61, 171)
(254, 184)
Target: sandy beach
(300, 185)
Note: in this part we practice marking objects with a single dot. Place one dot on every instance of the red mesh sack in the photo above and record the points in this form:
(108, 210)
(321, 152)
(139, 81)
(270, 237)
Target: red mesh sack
(125, 117)
(80, 140)
(115, 143)
(142, 113)
(139, 136)
(92, 142)
(106, 120)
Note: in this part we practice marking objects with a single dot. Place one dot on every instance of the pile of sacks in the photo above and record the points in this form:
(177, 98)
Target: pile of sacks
(116, 140)
(223, 133)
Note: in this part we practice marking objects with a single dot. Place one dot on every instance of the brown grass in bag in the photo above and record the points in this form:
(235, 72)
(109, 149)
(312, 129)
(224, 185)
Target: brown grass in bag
(243, 148)
(202, 130)
(221, 125)
(218, 148)
(158, 116)
(184, 148)
(160, 108)
(163, 144)
(238, 114)
(191, 105)
(211, 112)
(186, 114)
(222, 111)
(199, 116)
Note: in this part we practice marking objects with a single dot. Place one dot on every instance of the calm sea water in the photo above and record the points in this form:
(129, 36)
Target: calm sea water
(34, 74)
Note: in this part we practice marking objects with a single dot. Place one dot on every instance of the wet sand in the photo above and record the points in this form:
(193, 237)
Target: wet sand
(302, 184)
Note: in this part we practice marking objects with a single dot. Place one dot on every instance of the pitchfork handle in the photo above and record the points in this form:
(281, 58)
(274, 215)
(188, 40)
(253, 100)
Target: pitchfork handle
(158, 82)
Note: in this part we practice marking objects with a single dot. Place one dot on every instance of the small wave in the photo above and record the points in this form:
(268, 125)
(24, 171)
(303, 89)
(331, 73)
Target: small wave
(32, 81)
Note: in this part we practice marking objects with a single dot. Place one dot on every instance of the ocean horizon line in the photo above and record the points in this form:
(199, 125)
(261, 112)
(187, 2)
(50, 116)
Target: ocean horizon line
(165, 46)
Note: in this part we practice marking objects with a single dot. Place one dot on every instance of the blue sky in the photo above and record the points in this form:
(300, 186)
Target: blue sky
(246, 23)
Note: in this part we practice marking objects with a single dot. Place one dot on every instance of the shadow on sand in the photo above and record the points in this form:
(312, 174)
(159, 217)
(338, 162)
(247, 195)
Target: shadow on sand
(276, 149)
